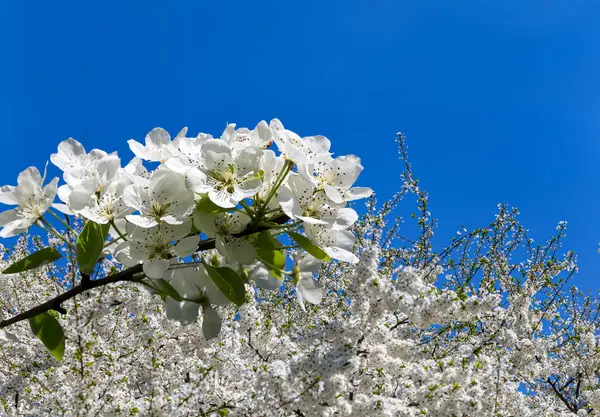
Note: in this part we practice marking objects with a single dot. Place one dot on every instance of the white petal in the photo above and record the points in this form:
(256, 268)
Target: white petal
(310, 290)
(345, 218)
(263, 279)
(186, 246)
(156, 268)
(136, 197)
(341, 254)
(185, 312)
(206, 223)
(333, 194)
(140, 221)
(175, 232)
(357, 193)
(139, 150)
(182, 133)
(63, 208)
(122, 253)
(50, 190)
(8, 216)
(79, 200)
(217, 146)
(29, 182)
(346, 171)
(221, 198)
(196, 181)
(70, 153)
(236, 249)
(7, 195)
(157, 137)
(14, 228)
(211, 322)
(7, 337)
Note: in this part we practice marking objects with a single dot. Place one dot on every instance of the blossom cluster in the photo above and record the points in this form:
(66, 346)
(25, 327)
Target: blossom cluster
(369, 349)
(233, 191)
(484, 327)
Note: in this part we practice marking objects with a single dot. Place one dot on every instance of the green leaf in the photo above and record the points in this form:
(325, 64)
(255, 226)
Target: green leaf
(205, 205)
(268, 253)
(90, 244)
(50, 332)
(308, 246)
(273, 260)
(42, 257)
(229, 282)
(165, 288)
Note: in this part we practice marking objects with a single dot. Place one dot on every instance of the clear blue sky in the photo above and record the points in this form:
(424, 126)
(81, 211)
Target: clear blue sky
(500, 99)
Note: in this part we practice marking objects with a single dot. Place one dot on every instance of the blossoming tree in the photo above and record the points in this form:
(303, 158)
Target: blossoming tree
(232, 280)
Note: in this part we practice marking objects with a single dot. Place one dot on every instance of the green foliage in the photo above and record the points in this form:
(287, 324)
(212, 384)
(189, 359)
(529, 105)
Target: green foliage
(50, 332)
(90, 244)
(268, 253)
(229, 282)
(42, 257)
(308, 246)
(165, 289)
(205, 205)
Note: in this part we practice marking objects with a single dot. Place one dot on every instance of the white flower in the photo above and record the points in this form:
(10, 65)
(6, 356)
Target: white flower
(105, 206)
(300, 200)
(336, 176)
(158, 147)
(307, 288)
(338, 244)
(192, 283)
(166, 199)
(226, 178)
(263, 278)
(260, 137)
(32, 200)
(72, 155)
(136, 172)
(190, 154)
(222, 226)
(85, 174)
(155, 247)
(300, 150)
(271, 166)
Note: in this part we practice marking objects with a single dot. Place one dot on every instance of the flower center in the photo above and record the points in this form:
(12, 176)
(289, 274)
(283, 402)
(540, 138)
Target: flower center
(158, 210)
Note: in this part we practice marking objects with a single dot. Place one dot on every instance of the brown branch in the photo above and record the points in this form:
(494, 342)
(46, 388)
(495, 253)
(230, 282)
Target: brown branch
(131, 274)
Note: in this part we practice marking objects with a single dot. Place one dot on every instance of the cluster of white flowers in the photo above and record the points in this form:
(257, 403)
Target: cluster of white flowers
(400, 330)
(226, 189)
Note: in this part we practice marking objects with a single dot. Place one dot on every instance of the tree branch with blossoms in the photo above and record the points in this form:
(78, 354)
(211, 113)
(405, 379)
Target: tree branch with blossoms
(133, 274)
(232, 196)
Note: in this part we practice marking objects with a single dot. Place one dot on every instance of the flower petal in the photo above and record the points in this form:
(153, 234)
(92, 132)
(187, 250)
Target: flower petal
(156, 268)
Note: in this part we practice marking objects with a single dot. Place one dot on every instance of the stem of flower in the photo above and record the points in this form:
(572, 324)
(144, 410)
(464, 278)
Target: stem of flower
(248, 209)
(50, 229)
(63, 222)
(284, 172)
(121, 235)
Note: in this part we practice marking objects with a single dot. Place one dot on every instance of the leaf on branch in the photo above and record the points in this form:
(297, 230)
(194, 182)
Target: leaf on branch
(229, 282)
(42, 257)
(166, 289)
(268, 253)
(211, 322)
(205, 205)
(90, 244)
(46, 328)
(308, 246)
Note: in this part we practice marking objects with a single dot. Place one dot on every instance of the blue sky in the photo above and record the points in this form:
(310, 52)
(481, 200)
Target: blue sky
(499, 99)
